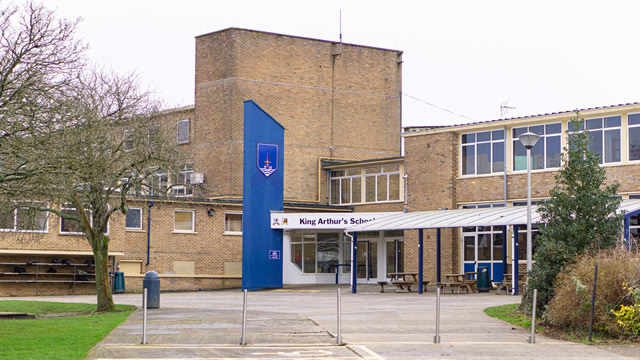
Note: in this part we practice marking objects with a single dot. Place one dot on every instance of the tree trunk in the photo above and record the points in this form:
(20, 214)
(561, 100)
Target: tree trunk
(105, 300)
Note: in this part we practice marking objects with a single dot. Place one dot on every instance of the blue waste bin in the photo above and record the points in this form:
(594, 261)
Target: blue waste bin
(151, 282)
(483, 279)
(118, 282)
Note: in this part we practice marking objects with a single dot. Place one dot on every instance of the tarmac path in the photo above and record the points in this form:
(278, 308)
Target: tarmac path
(301, 323)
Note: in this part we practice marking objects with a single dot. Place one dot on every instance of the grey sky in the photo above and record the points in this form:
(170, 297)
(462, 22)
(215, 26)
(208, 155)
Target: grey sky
(464, 56)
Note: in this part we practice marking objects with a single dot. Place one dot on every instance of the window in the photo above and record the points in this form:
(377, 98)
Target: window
(381, 183)
(183, 132)
(546, 154)
(158, 183)
(133, 219)
(71, 226)
(522, 240)
(24, 219)
(605, 137)
(181, 182)
(183, 221)
(128, 141)
(233, 223)
(317, 253)
(634, 136)
(483, 152)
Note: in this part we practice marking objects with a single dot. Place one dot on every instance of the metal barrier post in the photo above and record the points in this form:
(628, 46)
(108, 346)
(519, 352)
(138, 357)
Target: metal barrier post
(243, 341)
(339, 337)
(144, 316)
(532, 338)
(436, 339)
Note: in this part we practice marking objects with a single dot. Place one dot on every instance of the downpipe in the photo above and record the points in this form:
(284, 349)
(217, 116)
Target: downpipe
(149, 233)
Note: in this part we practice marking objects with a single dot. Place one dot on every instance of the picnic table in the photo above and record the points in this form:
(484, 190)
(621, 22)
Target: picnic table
(507, 282)
(401, 280)
(458, 281)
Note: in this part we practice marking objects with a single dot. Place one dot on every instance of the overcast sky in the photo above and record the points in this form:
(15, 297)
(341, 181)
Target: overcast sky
(467, 57)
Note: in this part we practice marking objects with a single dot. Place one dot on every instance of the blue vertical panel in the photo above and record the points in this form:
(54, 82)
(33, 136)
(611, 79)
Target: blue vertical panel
(516, 260)
(469, 267)
(354, 263)
(499, 276)
(262, 188)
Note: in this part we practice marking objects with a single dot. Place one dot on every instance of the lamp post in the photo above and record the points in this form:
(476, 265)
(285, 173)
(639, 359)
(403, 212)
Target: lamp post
(529, 140)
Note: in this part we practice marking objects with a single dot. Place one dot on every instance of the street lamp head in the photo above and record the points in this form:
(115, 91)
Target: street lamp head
(529, 139)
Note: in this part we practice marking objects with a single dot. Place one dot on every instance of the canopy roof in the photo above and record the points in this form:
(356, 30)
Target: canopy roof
(496, 216)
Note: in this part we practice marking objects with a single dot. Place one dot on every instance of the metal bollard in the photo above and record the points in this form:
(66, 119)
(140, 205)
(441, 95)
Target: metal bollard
(339, 337)
(144, 316)
(436, 339)
(532, 338)
(243, 341)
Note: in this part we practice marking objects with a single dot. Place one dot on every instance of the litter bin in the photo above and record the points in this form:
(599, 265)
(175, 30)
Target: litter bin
(118, 282)
(483, 279)
(151, 282)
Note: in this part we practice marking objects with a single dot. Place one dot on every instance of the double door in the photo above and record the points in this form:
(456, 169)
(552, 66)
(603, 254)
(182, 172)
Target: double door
(482, 246)
(376, 261)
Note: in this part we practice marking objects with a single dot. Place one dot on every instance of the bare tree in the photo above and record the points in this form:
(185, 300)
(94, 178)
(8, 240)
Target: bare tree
(114, 142)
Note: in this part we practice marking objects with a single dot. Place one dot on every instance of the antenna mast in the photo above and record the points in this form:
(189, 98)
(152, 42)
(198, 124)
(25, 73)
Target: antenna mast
(340, 25)
(504, 108)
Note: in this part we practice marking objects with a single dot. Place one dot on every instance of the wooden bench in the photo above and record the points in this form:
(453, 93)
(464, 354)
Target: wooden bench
(401, 284)
(382, 284)
(424, 284)
(451, 285)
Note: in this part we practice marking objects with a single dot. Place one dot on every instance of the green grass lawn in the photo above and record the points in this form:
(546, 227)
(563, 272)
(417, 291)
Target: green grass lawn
(55, 338)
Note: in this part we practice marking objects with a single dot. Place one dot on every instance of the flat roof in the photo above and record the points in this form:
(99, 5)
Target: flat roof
(435, 219)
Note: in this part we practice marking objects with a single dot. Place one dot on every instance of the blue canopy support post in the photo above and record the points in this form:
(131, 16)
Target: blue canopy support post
(516, 260)
(438, 255)
(504, 249)
(420, 259)
(354, 261)
(627, 235)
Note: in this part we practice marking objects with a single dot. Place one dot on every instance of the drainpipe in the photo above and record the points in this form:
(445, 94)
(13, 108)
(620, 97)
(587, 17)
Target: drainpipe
(149, 233)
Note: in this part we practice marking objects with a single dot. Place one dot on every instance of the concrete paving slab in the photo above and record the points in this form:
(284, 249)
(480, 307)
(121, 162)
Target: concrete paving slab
(301, 322)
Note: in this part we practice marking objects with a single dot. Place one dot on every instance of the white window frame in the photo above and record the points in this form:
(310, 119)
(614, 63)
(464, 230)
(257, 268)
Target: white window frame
(178, 127)
(185, 189)
(350, 179)
(628, 134)
(227, 232)
(15, 223)
(378, 175)
(475, 144)
(362, 175)
(127, 141)
(64, 206)
(604, 129)
(544, 136)
(193, 220)
(125, 220)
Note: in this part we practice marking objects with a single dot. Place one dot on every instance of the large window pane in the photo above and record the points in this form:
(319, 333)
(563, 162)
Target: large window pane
(309, 257)
(382, 188)
(484, 158)
(328, 252)
(596, 143)
(484, 247)
(296, 255)
(634, 143)
(612, 145)
(519, 156)
(335, 191)
(394, 187)
(537, 155)
(497, 247)
(370, 188)
(468, 160)
(134, 219)
(554, 151)
(69, 225)
(469, 248)
(7, 219)
(498, 157)
(356, 190)
(345, 191)
(183, 221)
(233, 223)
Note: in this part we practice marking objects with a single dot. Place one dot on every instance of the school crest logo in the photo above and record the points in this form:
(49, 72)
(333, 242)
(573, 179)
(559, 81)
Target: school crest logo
(267, 158)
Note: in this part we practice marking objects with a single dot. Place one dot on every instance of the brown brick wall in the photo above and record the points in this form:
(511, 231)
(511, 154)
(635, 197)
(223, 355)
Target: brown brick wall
(292, 79)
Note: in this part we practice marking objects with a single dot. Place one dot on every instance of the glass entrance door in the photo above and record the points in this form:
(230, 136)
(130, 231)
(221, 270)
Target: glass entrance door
(482, 246)
(367, 260)
(395, 256)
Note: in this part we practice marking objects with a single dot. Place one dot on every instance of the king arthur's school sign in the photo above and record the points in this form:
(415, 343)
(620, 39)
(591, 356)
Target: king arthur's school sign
(322, 221)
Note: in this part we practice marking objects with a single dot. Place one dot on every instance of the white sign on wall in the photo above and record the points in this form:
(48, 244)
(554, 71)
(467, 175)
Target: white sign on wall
(322, 221)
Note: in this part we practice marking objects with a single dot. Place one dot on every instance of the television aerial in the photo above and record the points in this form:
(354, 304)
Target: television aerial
(504, 108)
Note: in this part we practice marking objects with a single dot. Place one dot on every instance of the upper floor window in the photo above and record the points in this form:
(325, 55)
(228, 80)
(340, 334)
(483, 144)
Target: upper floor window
(546, 154)
(483, 152)
(605, 137)
(183, 131)
(24, 219)
(371, 184)
(73, 226)
(181, 182)
(133, 220)
(634, 136)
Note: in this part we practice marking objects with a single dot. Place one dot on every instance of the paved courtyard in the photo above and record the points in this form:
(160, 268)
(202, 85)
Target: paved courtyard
(300, 323)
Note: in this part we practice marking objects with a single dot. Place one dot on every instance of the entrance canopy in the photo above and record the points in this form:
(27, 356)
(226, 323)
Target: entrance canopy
(436, 219)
